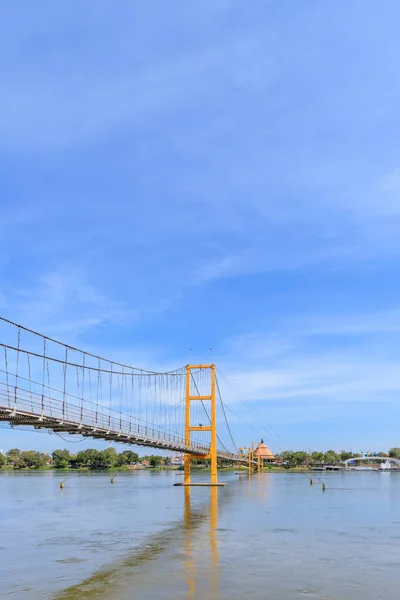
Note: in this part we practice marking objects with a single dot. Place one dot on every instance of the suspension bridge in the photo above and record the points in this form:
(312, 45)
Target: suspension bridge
(47, 384)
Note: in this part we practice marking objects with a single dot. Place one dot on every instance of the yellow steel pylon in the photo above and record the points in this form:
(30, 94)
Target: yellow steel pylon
(254, 448)
(253, 453)
(247, 450)
(212, 428)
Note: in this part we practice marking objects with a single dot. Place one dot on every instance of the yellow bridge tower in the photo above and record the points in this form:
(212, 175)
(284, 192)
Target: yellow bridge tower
(212, 427)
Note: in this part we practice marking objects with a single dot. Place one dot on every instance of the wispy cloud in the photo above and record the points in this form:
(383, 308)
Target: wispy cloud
(329, 372)
(62, 303)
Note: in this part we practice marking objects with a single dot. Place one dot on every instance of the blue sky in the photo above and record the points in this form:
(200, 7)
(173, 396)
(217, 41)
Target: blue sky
(219, 175)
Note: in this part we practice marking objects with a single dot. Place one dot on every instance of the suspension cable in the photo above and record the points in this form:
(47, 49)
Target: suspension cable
(45, 337)
(226, 420)
(208, 416)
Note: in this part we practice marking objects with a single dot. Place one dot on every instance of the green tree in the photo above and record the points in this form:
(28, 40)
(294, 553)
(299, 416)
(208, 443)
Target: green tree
(88, 458)
(331, 457)
(33, 459)
(126, 458)
(61, 458)
(13, 456)
(133, 457)
(301, 458)
(295, 459)
(344, 455)
(106, 459)
(155, 461)
(122, 460)
(3, 460)
(285, 456)
(317, 457)
(93, 459)
(394, 453)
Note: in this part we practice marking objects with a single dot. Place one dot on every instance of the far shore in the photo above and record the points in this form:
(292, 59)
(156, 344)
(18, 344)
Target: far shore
(129, 468)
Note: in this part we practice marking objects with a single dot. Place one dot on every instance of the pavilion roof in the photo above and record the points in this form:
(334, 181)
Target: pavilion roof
(263, 451)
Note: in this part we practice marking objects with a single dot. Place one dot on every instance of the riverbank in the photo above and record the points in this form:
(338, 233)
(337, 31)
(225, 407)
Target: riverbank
(128, 468)
(125, 469)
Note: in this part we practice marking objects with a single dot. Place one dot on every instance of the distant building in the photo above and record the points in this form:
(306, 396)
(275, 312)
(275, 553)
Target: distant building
(264, 452)
(177, 461)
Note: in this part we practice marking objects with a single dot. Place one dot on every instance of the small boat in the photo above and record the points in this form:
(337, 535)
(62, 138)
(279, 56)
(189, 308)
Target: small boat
(388, 467)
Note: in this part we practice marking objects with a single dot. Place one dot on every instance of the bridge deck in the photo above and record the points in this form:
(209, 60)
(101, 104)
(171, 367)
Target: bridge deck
(23, 407)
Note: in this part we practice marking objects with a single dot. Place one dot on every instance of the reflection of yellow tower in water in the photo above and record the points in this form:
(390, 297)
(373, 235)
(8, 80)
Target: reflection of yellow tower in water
(189, 565)
(214, 575)
(261, 486)
(189, 562)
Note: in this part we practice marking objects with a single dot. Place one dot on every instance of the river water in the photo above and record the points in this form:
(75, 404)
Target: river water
(271, 536)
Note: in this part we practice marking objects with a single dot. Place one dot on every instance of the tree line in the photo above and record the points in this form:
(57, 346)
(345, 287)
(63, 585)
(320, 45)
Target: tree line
(301, 458)
(110, 458)
(84, 459)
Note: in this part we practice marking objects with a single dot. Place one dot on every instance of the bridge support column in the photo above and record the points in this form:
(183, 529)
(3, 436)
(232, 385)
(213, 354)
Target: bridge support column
(187, 457)
(212, 428)
(213, 444)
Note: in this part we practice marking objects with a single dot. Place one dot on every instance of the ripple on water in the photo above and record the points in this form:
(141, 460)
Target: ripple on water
(71, 560)
(333, 547)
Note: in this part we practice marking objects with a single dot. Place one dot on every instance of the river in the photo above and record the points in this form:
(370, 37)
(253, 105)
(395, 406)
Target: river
(271, 536)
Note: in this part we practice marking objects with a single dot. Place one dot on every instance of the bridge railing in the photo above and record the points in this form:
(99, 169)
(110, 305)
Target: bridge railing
(59, 387)
(42, 406)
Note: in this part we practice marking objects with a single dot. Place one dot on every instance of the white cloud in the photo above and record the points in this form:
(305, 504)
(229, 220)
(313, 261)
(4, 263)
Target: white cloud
(293, 365)
(326, 379)
(62, 303)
